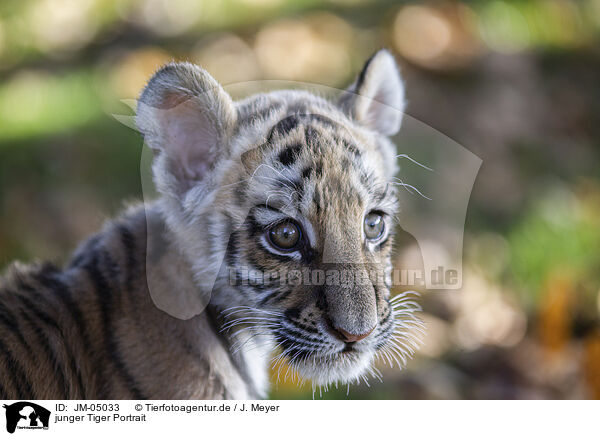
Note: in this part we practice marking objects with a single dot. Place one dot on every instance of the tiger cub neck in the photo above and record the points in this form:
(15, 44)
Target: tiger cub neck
(161, 355)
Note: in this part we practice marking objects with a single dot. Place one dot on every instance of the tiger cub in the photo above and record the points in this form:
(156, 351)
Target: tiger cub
(278, 185)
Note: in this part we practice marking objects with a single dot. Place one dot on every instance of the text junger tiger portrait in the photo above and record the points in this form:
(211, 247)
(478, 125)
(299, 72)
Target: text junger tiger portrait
(277, 182)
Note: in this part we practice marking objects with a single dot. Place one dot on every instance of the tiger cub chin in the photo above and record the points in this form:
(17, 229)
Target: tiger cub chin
(270, 241)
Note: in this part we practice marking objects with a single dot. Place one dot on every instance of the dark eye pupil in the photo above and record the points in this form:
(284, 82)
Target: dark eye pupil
(285, 235)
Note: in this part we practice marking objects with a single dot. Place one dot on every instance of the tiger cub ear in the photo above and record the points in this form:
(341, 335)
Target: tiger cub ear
(186, 117)
(376, 98)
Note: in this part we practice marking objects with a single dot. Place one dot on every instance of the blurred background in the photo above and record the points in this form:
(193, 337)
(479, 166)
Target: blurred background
(515, 82)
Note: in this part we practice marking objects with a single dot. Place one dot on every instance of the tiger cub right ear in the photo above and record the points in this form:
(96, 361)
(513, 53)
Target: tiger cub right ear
(376, 98)
(186, 117)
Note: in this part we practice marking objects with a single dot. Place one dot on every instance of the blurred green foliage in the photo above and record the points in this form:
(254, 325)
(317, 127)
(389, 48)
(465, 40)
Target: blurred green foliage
(558, 235)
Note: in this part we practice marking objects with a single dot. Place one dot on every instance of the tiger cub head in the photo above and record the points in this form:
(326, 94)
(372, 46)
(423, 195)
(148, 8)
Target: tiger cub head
(291, 198)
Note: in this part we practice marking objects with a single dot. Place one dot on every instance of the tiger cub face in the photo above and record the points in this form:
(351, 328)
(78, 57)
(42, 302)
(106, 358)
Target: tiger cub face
(290, 198)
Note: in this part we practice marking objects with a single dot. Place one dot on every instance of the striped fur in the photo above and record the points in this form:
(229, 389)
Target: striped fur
(92, 331)
(228, 172)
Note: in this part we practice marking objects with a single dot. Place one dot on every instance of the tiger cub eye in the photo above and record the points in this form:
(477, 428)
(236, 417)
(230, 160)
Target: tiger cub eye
(285, 235)
(374, 225)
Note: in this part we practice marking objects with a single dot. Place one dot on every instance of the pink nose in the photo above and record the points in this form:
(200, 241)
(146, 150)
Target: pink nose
(349, 337)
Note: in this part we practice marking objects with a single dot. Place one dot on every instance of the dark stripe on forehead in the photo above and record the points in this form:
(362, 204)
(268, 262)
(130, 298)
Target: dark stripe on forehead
(288, 155)
(289, 123)
(283, 127)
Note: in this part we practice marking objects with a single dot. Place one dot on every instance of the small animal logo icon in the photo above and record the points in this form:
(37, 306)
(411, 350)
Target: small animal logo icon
(26, 415)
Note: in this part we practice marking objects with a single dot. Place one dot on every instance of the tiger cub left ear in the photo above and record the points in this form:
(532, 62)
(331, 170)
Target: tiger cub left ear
(186, 118)
(376, 98)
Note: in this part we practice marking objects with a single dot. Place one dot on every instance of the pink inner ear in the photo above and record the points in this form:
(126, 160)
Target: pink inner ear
(171, 98)
(189, 136)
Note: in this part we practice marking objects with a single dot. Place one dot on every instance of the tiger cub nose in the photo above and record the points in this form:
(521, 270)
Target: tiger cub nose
(349, 337)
